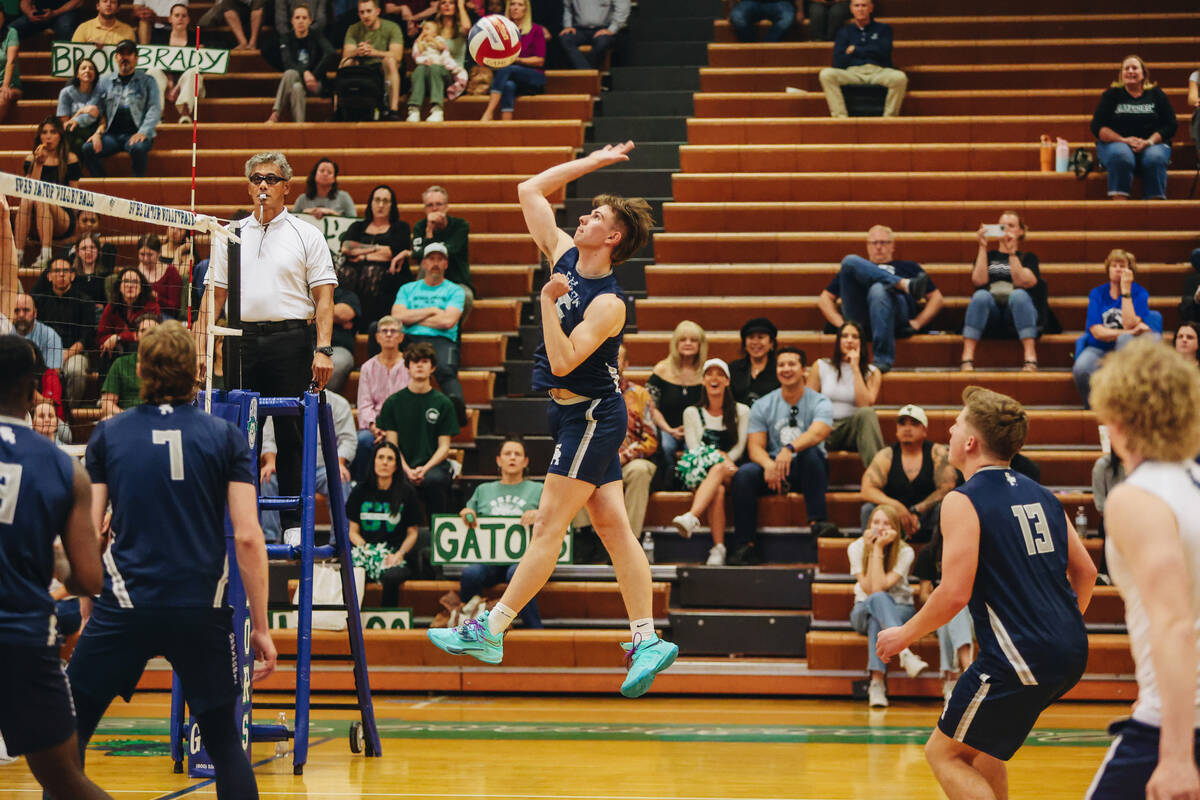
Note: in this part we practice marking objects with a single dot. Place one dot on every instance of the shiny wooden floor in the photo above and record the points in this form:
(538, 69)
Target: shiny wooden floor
(588, 748)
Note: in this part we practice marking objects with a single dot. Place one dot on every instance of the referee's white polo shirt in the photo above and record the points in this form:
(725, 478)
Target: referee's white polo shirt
(280, 264)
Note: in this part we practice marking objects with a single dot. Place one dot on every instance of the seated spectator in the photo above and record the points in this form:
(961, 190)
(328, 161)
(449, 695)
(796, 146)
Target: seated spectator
(430, 310)
(151, 18)
(72, 315)
(409, 14)
(879, 561)
(883, 294)
(104, 29)
(237, 13)
(1187, 340)
(130, 297)
(47, 423)
(862, 54)
(380, 377)
(122, 388)
(439, 71)
(511, 496)
(454, 233)
(638, 448)
(38, 15)
(1189, 303)
(162, 276)
(285, 16)
(526, 75)
(53, 162)
(131, 107)
(43, 338)
(180, 88)
(1010, 294)
(594, 23)
(428, 420)
(375, 253)
(306, 57)
(1133, 125)
(347, 449)
(384, 514)
(78, 105)
(788, 428)
(715, 430)
(852, 385)
(89, 281)
(178, 250)
(46, 384)
(377, 42)
(746, 14)
(826, 18)
(346, 312)
(1117, 313)
(1193, 101)
(88, 223)
(10, 71)
(956, 636)
(675, 385)
(911, 476)
(753, 375)
(322, 195)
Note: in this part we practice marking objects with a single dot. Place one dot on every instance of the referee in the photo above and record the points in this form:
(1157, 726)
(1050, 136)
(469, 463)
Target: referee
(287, 283)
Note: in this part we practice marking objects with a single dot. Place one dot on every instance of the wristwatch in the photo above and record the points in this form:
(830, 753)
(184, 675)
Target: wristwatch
(326, 350)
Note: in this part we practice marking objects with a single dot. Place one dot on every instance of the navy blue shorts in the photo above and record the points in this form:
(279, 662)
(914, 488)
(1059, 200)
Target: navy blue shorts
(116, 644)
(587, 437)
(36, 711)
(992, 711)
(1130, 762)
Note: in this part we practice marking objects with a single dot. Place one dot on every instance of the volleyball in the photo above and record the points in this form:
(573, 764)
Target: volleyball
(494, 41)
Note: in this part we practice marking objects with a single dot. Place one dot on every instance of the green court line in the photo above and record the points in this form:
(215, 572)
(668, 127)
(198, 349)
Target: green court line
(585, 731)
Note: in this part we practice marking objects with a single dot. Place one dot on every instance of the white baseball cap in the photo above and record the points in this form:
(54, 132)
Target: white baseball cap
(435, 247)
(716, 362)
(913, 412)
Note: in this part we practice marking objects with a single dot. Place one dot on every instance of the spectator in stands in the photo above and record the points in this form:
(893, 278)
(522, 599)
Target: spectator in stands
(453, 232)
(511, 496)
(285, 16)
(826, 18)
(753, 375)
(73, 317)
(430, 310)
(427, 418)
(105, 28)
(237, 13)
(347, 310)
(1118, 312)
(151, 18)
(178, 249)
(526, 75)
(87, 265)
(409, 14)
(181, 88)
(375, 253)
(377, 42)
(1187, 340)
(347, 447)
(675, 384)
(882, 294)
(911, 477)
(78, 105)
(53, 162)
(852, 385)
(956, 636)
(47, 423)
(879, 561)
(1133, 125)
(10, 71)
(383, 512)
(163, 277)
(438, 71)
(44, 338)
(1189, 303)
(715, 430)
(380, 377)
(38, 15)
(131, 107)
(1193, 101)
(1009, 292)
(639, 447)
(322, 195)
(130, 297)
(862, 54)
(307, 57)
(594, 22)
(88, 223)
(746, 15)
(122, 388)
(788, 428)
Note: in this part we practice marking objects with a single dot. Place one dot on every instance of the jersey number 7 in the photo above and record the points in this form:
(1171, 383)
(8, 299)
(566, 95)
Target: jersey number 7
(1038, 539)
(173, 439)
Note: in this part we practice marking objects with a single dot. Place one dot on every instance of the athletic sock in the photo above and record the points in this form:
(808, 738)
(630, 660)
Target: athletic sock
(642, 627)
(499, 618)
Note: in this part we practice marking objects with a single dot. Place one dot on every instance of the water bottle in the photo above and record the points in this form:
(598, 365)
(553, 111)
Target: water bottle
(648, 546)
(1081, 521)
(281, 746)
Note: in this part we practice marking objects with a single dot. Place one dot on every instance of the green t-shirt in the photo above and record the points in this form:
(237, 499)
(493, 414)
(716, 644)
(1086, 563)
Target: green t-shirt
(122, 380)
(418, 419)
(496, 499)
(387, 33)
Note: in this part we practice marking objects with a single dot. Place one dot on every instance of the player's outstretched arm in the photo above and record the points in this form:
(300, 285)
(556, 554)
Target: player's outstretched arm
(252, 564)
(604, 317)
(10, 284)
(1081, 570)
(81, 542)
(539, 215)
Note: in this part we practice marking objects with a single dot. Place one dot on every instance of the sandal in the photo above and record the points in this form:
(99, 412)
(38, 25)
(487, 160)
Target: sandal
(1030, 365)
(967, 365)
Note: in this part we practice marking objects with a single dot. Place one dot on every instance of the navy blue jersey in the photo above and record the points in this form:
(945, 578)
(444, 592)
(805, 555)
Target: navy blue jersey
(36, 497)
(168, 470)
(1026, 614)
(597, 376)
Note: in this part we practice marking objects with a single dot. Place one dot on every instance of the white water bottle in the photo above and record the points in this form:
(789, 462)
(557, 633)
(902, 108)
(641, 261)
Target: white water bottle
(281, 746)
(1081, 522)
(648, 546)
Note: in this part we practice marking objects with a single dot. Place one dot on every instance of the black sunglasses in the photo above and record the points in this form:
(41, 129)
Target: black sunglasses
(270, 180)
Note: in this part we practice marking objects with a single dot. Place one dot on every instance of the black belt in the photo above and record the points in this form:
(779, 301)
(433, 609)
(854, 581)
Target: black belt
(264, 328)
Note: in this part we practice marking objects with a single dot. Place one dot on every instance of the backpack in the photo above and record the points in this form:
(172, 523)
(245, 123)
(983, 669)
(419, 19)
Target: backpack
(359, 92)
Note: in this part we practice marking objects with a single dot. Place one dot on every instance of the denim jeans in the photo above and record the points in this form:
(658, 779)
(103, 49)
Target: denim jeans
(364, 457)
(1121, 162)
(478, 577)
(954, 634)
(446, 371)
(878, 612)
(983, 308)
(272, 530)
(1088, 361)
(868, 299)
(745, 14)
(516, 79)
(64, 25)
(600, 45)
(809, 473)
(110, 145)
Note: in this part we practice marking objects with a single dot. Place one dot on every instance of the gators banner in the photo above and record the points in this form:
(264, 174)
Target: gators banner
(493, 540)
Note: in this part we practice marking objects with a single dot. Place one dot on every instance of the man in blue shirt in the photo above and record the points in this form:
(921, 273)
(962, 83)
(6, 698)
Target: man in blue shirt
(131, 107)
(862, 54)
(788, 428)
(430, 310)
(43, 337)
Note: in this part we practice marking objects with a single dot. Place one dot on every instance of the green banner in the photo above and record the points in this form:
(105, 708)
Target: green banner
(331, 227)
(65, 55)
(493, 540)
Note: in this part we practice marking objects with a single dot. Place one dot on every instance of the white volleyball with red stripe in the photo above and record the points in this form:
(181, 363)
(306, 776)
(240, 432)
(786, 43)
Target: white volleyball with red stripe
(494, 41)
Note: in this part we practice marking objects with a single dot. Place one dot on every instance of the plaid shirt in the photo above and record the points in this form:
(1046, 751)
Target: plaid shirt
(641, 437)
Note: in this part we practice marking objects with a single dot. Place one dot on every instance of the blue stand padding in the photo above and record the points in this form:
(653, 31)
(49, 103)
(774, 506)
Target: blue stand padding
(244, 409)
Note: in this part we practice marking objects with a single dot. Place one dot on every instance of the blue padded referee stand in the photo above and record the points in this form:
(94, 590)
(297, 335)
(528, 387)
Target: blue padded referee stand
(247, 410)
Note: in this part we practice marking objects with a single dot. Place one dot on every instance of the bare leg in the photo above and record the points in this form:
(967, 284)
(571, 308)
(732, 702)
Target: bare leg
(996, 773)
(25, 214)
(706, 490)
(1030, 348)
(255, 26)
(968, 351)
(716, 515)
(606, 507)
(392, 72)
(507, 116)
(493, 103)
(963, 772)
(235, 24)
(964, 657)
(60, 773)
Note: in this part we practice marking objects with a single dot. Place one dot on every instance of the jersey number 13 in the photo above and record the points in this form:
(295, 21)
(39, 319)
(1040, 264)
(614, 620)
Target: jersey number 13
(1032, 519)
